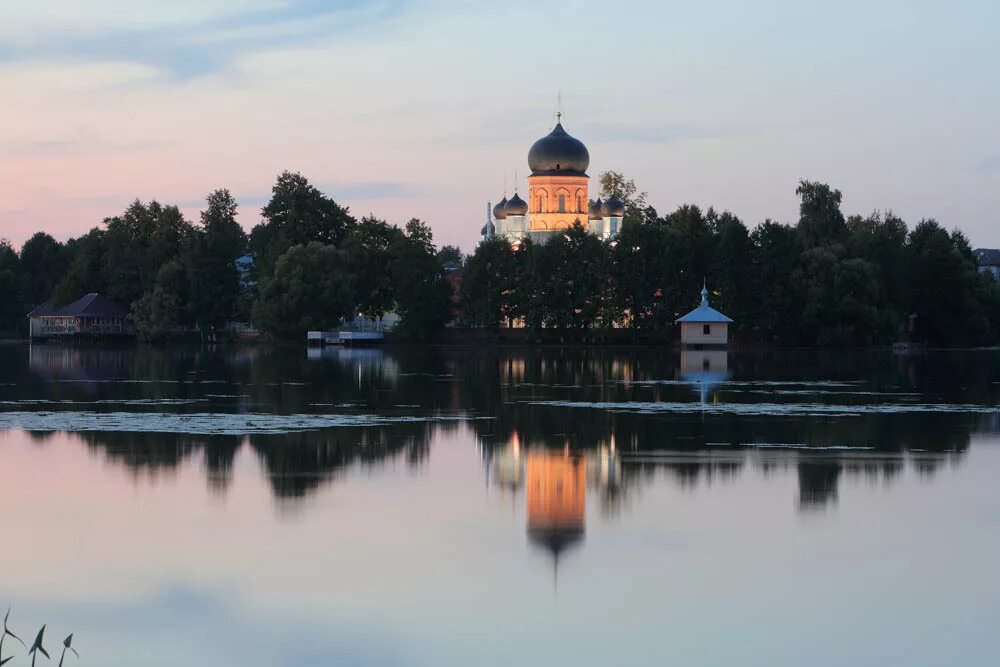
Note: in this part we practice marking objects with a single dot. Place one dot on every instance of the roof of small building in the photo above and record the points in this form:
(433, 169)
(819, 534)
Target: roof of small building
(987, 256)
(43, 310)
(92, 305)
(704, 314)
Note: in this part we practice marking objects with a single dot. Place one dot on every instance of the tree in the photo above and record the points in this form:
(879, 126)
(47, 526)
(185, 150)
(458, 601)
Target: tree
(297, 214)
(574, 279)
(450, 257)
(368, 251)
(688, 249)
(531, 277)
(488, 284)
(12, 308)
(941, 274)
(625, 189)
(211, 265)
(820, 219)
(775, 254)
(138, 244)
(731, 267)
(639, 270)
(308, 291)
(423, 297)
(881, 240)
(43, 262)
(224, 236)
(86, 268)
(166, 309)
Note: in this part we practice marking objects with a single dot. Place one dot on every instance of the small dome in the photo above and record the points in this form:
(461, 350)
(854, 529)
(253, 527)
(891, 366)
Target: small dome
(613, 208)
(558, 152)
(499, 211)
(594, 210)
(516, 206)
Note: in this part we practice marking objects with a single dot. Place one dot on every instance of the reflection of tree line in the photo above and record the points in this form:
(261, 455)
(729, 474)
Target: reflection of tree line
(500, 383)
(295, 464)
(616, 477)
(584, 376)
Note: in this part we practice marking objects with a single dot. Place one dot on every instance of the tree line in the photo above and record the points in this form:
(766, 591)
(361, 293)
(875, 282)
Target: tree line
(315, 265)
(829, 279)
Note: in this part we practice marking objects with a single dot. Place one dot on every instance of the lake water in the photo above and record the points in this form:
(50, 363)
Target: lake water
(261, 507)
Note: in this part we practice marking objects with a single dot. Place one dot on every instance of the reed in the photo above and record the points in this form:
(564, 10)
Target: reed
(36, 646)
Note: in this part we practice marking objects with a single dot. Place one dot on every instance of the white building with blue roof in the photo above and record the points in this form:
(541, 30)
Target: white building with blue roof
(704, 325)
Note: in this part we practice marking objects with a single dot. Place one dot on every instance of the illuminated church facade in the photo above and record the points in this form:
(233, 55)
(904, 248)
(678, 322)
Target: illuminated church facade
(558, 195)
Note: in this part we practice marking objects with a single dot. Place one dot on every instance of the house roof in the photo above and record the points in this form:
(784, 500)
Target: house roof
(42, 310)
(704, 314)
(987, 256)
(92, 305)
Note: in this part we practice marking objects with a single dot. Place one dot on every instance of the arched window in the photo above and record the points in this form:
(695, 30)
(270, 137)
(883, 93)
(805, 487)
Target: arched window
(562, 203)
(541, 202)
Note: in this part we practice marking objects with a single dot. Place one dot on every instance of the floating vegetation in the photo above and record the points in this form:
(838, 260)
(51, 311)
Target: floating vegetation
(108, 401)
(201, 423)
(773, 409)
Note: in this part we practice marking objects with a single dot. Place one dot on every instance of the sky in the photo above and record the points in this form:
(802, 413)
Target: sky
(426, 108)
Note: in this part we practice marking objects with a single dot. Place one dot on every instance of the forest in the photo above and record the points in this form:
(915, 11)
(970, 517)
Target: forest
(315, 265)
(829, 279)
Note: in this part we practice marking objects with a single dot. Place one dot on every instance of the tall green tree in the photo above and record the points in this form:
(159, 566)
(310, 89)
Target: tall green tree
(211, 265)
(12, 309)
(450, 257)
(138, 244)
(820, 219)
(167, 308)
(575, 281)
(423, 296)
(43, 263)
(368, 248)
(86, 272)
(941, 274)
(731, 267)
(778, 303)
(308, 291)
(639, 271)
(297, 214)
(637, 209)
(488, 285)
(881, 240)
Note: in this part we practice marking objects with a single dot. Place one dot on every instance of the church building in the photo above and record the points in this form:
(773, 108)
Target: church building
(557, 195)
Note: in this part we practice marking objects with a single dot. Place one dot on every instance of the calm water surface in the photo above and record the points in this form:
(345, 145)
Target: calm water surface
(501, 506)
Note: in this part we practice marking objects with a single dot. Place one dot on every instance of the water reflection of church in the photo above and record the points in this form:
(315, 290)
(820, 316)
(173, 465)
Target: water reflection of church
(555, 484)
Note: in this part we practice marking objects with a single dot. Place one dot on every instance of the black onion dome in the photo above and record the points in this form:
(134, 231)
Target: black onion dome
(594, 209)
(516, 206)
(500, 210)
(613, 208)
(559, 153)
